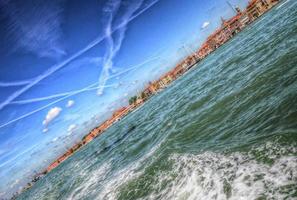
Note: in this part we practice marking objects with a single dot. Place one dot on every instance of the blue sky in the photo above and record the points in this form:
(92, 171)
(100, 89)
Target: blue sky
(66, 65)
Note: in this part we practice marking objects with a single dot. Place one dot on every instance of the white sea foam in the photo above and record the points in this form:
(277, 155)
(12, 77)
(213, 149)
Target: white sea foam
(102, 184)
(213, 176)
(132, 171)
(236, 176)
(91, 181)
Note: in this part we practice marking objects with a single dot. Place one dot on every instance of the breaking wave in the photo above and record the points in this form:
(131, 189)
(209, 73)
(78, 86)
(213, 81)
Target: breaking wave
(221, 176)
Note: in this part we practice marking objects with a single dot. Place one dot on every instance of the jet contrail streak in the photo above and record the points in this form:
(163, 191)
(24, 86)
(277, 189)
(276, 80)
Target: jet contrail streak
(15, 83)
(81, 90)
(58, 66)
(88, 88)
(58, 95)
(43, 107)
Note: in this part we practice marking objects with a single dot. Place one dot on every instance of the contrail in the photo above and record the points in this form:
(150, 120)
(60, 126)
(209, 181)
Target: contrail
(15, 83)
(82, 90)
(89, 87)
(125, 20)
(111, 10)
(49, 72)
(134, 67)
(59, 95)
(58, 66)
(18, 155)
(143, 10)
(115, 45)
(46, 106)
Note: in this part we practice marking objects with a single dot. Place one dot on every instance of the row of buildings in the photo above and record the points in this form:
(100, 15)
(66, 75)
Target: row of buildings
(229, 28)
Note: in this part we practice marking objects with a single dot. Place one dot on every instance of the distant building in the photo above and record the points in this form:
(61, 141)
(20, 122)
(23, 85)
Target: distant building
(165, 80)
(228, 29)
(256, 8)
(148, 92)
(204, 50)
(177, 71)
(52, 166)
(244, 19)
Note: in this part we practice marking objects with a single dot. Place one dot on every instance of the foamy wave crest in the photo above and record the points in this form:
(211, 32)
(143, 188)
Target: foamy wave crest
(112, 188)
(210, 175)
(236, 176)
(90, 183)
(265, 172)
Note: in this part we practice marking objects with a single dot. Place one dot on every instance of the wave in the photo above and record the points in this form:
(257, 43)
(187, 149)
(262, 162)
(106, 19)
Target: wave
(211, 175)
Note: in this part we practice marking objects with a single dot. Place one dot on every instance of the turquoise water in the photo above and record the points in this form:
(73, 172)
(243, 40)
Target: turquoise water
(226, 130)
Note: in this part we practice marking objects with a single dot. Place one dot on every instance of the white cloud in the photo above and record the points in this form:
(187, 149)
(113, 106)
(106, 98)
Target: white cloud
(70, 103)
(71, 128)
(135, 82)
(205, 25)
(17, 181)
(36, 27)
(52, 114)
(45, 130)
(55, 139)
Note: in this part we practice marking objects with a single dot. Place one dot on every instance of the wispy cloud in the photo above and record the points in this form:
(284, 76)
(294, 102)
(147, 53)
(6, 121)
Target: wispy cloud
(70, 103)
(51, 115)
(36, 26)
(71, 128)
(18, 155)
(90, 87)
(73, 93)
(58, 66)
(205, 25)
(114, 43)
(33, 100)
(44, 107)
(110, 10)
(15, 83)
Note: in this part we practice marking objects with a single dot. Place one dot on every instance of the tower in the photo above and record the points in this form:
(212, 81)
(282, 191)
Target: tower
(232, 7)
(238, 10)
(223, 21)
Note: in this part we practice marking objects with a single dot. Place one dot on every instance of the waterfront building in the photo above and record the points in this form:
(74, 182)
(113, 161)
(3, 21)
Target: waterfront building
(204, 50)
(256, 8)
(161, 84)
(167, 78)
(244, 20)
(148, 92)
(52, 166)
(177, 71)
(139, 100)
(152, 88)
(119, 114)
(228, 29)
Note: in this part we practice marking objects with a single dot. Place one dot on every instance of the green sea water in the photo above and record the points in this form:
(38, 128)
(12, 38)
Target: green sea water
(225, 130)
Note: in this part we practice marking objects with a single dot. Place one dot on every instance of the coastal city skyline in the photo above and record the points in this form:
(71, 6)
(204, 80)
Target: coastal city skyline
(53, 109)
